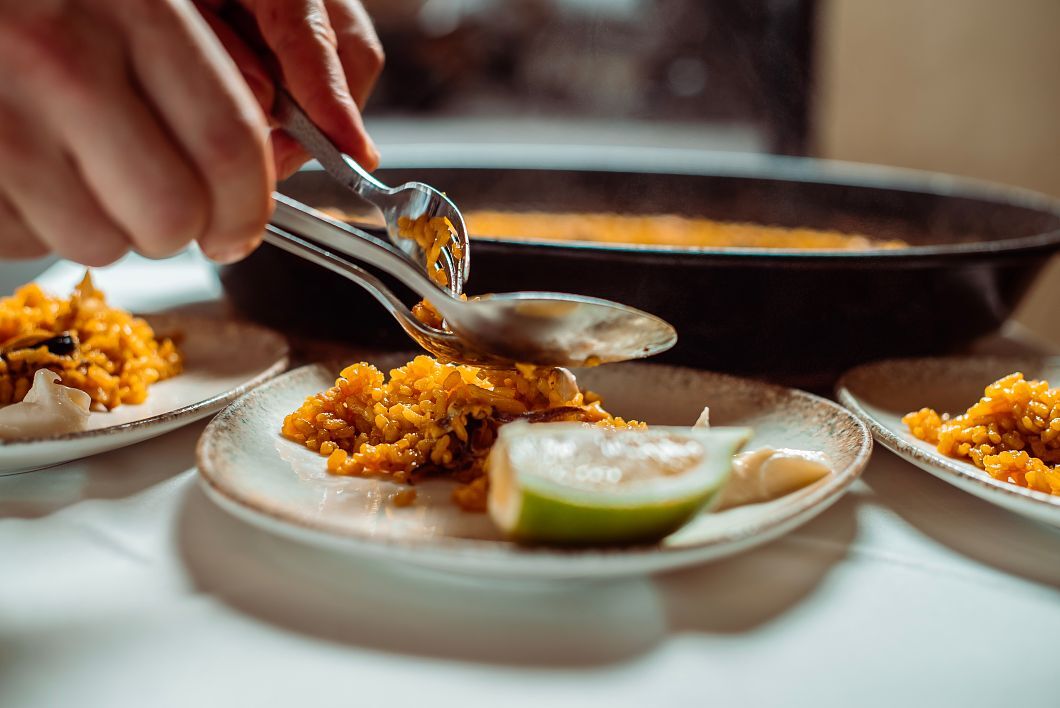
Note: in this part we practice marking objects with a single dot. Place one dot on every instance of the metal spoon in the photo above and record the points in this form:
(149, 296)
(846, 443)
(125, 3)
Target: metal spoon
(547, 329)
(412, 199)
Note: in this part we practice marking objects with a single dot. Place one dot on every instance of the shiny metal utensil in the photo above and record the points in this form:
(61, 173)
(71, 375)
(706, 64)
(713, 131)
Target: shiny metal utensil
(412, 199)
(547, 329)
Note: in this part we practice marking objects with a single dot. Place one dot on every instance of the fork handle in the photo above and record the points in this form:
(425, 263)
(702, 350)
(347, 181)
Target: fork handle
(428, 337)
(340, 166)
(290, 116)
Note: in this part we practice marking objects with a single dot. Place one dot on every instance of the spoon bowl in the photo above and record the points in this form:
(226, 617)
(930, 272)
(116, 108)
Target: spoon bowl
(544, 329)
(555, 329)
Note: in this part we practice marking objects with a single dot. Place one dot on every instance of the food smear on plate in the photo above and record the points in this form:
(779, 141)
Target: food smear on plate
(766, 474)
(1012, 432)
(106, 352)
(49, 408)
(569, 483)
(434, 419)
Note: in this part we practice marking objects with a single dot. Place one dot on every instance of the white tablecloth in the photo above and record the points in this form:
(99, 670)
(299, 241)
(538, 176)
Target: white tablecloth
(122, 585)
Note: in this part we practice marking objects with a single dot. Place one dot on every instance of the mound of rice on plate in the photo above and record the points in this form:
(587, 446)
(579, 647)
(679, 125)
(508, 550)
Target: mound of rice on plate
(433, 419)
(103, 351)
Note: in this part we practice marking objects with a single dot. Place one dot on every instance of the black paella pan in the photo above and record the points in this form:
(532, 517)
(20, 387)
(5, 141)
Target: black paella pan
(796, 317)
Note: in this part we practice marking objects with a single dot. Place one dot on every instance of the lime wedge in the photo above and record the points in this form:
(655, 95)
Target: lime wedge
(569, 483)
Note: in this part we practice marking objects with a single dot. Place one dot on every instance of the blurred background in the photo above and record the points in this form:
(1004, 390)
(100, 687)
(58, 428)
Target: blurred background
(961, 86)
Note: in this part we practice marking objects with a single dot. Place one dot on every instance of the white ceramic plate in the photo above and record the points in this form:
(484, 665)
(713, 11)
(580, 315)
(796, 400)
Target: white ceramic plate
(222, 360)
(253, 472)
(881, 393)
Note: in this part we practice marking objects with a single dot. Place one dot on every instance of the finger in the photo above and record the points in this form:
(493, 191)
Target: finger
(51, 198)
(17, 242)
(299, 33)
(289, 154)
(140, 178)
(248, 63)
(196, 87)
(359, 48)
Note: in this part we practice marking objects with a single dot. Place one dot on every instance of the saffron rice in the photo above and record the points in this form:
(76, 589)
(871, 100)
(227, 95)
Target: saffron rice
(431, 418)
(107, 353)
(431, 234)
(1012, 432)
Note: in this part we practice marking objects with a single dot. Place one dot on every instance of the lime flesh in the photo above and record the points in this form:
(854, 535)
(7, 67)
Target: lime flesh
(568, 483)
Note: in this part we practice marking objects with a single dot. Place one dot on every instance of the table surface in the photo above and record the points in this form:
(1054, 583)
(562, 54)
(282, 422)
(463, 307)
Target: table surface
(121, 584)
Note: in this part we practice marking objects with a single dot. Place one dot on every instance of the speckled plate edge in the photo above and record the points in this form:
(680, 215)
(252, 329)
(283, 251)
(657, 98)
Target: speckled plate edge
(968, 476)
(193, 411)
(591, 561)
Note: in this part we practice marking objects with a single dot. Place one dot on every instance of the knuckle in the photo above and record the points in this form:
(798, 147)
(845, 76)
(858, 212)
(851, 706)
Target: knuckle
(15, 149)
(16, 242)
(178, 213)
(94, 252)
(104, 257)
(32, 248)
(253, 225)
(239, 228)
(364, 51)
(176, 222)
(27, 249)
(229, 247)
(235, 148)
(25, 46)
(331, 102)
(295, 38)
(319, 26)
(50, 51)
(373, 57)
(51, 56)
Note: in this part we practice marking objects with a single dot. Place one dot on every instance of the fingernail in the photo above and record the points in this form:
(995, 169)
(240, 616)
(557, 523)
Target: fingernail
(373, 152)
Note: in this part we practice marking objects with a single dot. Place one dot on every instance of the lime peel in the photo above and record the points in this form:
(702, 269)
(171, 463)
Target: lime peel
(569, 483)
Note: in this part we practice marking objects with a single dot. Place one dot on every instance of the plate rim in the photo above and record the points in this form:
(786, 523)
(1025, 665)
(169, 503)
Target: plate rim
(815, 501)
(929, 455)
(187, 411)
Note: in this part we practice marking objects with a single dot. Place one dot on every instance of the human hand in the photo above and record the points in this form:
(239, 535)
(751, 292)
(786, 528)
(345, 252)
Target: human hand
(127, 126)
(329, 57)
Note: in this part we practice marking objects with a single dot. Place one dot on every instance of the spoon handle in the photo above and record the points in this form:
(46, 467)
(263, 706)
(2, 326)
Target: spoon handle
(293, 119)
(434, 341)
(440, 343)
